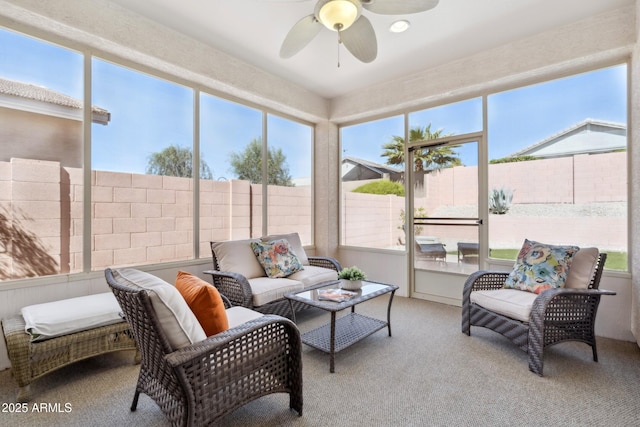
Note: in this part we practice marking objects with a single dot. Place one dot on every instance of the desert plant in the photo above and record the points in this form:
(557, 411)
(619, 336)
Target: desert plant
(419, 212)
(500, 200)
(352, 273)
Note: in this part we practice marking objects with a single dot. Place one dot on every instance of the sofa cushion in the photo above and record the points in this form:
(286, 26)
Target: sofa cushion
(582, 267)
(204, 301)
(312, 275)
(177, 320)
(508, 302)
(540, 266)
(266, 289)
(53, 319)
(238, 315)
(276, 257)
(294, 241)
(236, 256)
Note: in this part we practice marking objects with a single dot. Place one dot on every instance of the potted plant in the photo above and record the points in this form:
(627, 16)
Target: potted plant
(351, 278)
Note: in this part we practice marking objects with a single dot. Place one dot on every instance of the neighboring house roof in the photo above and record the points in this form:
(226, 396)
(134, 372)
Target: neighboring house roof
(355, 169)
(29, 92)
(588, 136)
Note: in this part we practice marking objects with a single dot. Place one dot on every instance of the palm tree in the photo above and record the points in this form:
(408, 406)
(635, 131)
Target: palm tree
(426, 158)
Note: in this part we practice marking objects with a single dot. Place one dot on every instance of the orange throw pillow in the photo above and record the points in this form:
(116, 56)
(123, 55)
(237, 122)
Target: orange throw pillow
(205, 302)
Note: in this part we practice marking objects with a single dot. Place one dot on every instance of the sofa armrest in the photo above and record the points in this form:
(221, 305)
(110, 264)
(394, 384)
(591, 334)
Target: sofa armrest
(235, 287)
(566, 305)
(326, 262)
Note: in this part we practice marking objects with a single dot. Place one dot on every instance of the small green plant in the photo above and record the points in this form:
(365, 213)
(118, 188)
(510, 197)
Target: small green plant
(500, 201)
(352, 273)
(418, 212)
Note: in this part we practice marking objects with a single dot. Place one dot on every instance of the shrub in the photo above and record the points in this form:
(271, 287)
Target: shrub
(500, 201)
(381, 187)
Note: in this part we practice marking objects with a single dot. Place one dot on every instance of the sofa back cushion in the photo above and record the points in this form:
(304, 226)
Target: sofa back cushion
(236, 256)
(294, 241)
(582, 268)
(204, 301)
(177, 321)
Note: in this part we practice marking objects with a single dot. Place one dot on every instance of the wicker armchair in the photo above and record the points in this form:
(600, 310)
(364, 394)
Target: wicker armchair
(198, 384)
(557, 315)
(237, 289)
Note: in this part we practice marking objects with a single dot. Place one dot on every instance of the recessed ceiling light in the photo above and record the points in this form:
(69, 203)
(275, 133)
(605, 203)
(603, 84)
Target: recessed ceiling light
(400, 26)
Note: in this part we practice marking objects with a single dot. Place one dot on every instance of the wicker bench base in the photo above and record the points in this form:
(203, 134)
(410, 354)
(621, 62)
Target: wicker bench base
(31, 360)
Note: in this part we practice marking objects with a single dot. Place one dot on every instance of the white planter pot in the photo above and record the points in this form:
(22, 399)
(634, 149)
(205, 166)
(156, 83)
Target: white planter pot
(351, 285)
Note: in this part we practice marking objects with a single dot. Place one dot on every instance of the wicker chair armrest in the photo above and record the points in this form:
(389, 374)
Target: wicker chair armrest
(234, 286)
(324, 261)
(483, 280)
(561, 304)
(202, 352)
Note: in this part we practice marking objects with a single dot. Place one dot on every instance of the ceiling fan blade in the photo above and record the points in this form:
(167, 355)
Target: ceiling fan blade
(300, 35)
(398, 7)
(360, 40)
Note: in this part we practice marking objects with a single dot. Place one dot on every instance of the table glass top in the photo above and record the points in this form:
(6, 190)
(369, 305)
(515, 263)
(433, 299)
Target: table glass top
(367, 289)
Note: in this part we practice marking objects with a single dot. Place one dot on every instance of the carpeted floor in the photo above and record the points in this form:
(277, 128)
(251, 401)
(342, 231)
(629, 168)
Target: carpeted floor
(428, 373)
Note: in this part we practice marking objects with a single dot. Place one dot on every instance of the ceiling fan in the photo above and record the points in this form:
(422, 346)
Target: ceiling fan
(354, 29)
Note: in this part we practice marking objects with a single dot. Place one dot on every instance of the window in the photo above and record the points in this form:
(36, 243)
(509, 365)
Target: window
(558, 165)
(41, 146)
(372, 178)
(142, 189)
(289, 168)
(231, 144)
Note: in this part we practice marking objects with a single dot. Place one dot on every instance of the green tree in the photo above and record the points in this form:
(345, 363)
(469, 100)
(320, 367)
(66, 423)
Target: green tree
(247, 165)
(426, 158)
(176, 161)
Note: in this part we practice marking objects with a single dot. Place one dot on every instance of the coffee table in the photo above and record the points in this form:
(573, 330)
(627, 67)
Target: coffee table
(340, 333)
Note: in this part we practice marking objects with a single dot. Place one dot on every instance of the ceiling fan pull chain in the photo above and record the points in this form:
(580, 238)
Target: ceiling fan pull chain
(339, 42)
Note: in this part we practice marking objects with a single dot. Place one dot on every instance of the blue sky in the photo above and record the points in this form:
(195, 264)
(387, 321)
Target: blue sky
(149, 114)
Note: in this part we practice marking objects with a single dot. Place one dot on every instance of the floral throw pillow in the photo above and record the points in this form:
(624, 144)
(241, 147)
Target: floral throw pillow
(276, 257)
(540, 267)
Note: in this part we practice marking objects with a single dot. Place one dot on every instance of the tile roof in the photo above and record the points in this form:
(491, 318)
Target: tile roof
(49, 96)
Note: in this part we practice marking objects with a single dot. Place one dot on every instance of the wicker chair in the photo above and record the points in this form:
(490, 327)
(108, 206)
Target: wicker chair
(557, 315)
(198, 384)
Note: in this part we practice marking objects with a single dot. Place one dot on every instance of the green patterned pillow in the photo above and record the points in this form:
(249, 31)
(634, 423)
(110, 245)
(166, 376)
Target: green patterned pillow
(276, 257)
(540, 267)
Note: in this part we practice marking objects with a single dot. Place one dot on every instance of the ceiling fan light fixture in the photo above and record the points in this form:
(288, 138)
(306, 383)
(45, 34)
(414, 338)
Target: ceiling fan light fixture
(399, 26)
(338, 15)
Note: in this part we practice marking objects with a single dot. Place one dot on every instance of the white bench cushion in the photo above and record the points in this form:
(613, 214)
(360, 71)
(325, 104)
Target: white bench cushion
(266, 289)
(53, 319)
(512, 303)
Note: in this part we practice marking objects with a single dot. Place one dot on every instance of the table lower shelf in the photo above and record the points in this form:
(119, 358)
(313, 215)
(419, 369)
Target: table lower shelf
(349, 330)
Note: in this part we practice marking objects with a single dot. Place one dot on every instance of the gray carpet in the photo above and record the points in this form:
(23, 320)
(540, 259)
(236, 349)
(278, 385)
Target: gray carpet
(428, 373)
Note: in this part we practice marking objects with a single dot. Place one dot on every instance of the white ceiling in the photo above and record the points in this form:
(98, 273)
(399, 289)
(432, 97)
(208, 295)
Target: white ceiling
(253, 30)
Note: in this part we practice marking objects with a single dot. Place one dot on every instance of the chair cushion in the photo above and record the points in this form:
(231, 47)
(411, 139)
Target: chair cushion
(236, 256)
(266, 289)
(508, 302)
(177, 320)
(312, 275)
(294, 241)
(582, 267)
(238, 315)
(540, 266)
(204, 301)
(276, 257)
(53, 319)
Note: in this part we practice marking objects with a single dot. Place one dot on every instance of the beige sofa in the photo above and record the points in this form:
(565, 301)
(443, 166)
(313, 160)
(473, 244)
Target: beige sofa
(238, 275)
